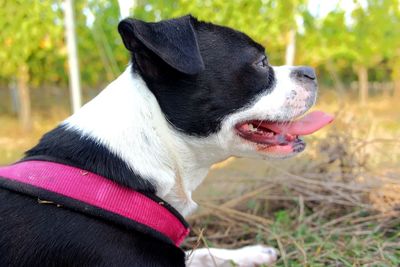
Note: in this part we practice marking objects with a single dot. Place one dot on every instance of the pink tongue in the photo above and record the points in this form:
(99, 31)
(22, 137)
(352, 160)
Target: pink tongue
(308, 124)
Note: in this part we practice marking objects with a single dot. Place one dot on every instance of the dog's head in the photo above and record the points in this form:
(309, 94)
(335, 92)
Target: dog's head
(215, 84)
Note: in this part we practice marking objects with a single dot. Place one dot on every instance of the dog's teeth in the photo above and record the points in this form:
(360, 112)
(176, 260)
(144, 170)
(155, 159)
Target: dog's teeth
(251, 127)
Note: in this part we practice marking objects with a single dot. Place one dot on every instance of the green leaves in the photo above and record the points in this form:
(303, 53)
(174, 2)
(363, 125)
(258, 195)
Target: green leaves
(33, 32)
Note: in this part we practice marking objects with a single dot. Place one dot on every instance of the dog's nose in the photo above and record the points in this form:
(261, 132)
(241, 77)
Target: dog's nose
(304, 72)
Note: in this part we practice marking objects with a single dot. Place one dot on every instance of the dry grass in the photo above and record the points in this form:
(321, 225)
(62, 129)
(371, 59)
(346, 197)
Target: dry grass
(304, 216)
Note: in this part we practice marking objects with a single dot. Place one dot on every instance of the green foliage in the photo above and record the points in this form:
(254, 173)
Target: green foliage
(367, 39)
(33, 33)
(374, 34)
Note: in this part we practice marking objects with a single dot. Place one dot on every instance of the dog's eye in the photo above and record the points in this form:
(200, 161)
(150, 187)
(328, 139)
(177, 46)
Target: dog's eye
(263, 63)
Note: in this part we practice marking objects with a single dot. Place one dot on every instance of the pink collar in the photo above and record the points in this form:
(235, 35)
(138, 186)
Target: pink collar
(99, 192)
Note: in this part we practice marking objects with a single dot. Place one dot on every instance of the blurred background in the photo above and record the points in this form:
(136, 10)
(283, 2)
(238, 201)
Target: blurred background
(338, 204)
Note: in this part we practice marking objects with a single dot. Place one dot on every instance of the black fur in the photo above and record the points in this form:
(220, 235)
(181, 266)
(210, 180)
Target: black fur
(39, 235)
(172, 40)
(196, 104)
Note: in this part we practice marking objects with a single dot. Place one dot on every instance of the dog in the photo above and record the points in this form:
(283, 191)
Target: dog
(111, 184)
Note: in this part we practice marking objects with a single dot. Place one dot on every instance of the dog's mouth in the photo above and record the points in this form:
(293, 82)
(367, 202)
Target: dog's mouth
(284, 136)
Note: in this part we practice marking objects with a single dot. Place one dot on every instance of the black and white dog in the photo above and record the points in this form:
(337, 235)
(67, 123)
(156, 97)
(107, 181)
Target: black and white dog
(194, 94)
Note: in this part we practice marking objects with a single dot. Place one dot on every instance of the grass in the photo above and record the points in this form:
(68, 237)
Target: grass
(310, 239)
(337, 204)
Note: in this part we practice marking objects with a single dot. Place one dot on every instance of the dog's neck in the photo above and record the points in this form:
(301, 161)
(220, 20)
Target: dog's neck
(126, 119)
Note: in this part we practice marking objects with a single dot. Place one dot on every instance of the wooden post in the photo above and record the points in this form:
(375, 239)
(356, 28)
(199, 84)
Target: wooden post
(363, 84)
(291, 48)
(74, 76)
(396, 80)
(126, 7)
(24, 112)
(396, 89)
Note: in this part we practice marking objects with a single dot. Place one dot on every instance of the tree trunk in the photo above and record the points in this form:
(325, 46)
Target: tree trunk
(340, 88)
(73, 64)
(24, 112)
(13, 86)
(291, 48)
(126, 8)
(363, 84)
(397, 89)
(338, 84)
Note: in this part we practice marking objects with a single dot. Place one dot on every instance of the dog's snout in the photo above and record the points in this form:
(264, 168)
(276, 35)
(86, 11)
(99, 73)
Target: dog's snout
(304, 72)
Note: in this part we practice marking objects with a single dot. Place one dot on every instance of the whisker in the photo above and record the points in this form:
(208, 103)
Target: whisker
(259, 124)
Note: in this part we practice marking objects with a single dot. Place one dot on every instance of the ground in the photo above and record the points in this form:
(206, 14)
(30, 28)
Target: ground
(337, 204)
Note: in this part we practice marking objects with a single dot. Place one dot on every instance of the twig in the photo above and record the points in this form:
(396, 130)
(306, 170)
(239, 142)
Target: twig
(233, 202)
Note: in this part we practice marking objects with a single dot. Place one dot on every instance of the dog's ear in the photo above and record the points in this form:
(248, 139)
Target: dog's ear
(174, 41)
